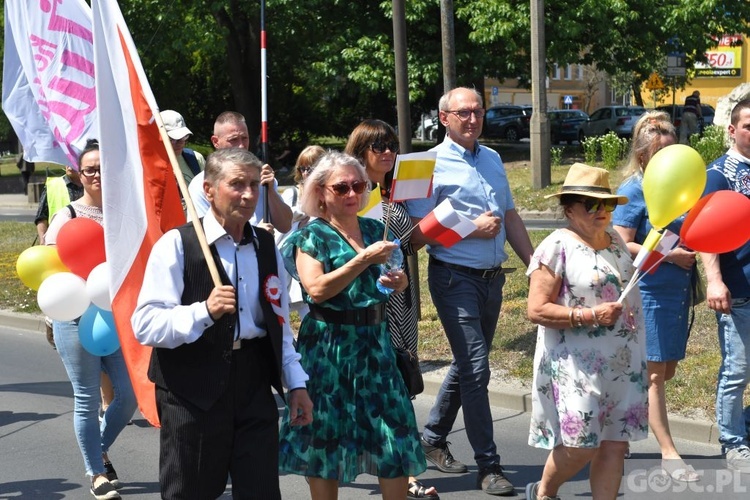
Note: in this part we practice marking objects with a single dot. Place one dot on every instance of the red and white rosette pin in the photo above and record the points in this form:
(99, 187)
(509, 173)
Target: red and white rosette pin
(272, 291)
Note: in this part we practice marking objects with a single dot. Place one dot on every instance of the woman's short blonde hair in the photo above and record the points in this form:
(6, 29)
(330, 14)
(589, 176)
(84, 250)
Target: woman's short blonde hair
(307, 158)
(318, 178)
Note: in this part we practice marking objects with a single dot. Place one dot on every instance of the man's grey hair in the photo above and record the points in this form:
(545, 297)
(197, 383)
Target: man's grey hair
(222, 159)
(445, 101)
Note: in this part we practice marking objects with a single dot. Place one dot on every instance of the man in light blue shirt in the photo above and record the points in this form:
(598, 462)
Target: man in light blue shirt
(466, 282)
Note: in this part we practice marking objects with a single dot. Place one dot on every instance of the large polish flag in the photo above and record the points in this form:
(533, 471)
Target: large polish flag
(412, 176)
(141, 199)
(446, 225)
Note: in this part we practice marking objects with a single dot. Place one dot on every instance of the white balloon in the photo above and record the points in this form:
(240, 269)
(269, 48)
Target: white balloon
(97, 286)
(63, 296)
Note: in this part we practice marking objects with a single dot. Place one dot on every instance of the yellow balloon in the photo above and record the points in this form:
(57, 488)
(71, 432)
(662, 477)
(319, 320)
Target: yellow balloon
(673, 182)
(37, 263)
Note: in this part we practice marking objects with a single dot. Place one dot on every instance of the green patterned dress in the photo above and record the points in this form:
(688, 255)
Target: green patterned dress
(363, 420)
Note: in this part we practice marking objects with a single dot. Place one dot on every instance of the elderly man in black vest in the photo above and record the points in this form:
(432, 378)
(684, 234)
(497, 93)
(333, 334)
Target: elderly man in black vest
(220, 349)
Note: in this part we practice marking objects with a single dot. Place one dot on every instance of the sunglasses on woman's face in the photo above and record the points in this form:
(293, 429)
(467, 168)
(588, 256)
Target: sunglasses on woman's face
(343, 188)
(593, 205)
(304, 170)
(380, 147)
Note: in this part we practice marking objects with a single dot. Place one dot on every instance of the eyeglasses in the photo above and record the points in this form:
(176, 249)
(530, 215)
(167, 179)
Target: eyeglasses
(91, 172)
(304, 170)
(465, 114)
(342, 188)
(379, 147)
(593, 205)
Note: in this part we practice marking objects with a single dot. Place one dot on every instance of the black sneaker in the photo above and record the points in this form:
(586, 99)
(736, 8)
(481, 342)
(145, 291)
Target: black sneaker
(492, 481)
(442, 458)
(112, 475)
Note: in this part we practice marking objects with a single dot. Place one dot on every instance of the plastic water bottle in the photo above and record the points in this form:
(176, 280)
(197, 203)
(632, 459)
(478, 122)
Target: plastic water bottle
(395, 261)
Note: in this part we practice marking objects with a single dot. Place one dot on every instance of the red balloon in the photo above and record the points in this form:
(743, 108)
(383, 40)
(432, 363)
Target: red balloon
(80, 244)
(717, 223)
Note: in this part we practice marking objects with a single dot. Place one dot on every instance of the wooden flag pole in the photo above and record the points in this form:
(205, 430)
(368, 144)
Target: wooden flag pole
(188, 202)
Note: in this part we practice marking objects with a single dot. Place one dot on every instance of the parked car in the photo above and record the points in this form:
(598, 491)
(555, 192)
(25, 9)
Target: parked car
(617, 119)
(707, 111)
(565, 123)
(507, 122)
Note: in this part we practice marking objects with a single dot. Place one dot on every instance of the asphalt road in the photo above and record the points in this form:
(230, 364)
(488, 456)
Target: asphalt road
(39, 457)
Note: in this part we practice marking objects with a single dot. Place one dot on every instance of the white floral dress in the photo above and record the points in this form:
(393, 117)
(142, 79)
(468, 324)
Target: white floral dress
(590, 384)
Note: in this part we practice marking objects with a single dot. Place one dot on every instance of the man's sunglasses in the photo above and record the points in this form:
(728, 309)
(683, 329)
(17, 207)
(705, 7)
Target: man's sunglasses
(343, 188)
(592, 205)
(380, 147)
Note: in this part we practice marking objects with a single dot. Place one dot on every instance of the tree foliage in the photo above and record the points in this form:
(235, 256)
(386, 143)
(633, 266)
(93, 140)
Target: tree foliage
(331, 62)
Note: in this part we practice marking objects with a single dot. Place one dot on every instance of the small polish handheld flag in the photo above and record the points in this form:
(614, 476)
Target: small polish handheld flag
(649, 260)
(374, 208)
(446, 225)
(412, 176)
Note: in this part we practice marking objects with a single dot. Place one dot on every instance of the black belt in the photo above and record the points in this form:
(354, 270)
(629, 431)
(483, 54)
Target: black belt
(482, 273)
(373, 315)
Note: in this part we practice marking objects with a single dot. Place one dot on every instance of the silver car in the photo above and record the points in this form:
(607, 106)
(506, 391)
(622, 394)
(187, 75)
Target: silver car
(617, 119)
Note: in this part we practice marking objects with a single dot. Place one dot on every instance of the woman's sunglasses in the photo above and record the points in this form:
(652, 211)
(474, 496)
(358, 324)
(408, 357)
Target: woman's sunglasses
(592, 205)
(342, 188)
(380, 147)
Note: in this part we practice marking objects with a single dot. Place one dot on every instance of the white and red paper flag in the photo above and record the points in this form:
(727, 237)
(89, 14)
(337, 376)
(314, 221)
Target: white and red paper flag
(140, 194)
(446, 225)
(412, 176)
(649, 260)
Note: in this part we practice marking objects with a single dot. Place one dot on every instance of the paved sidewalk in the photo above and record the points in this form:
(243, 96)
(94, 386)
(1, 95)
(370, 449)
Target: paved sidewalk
(502, 393)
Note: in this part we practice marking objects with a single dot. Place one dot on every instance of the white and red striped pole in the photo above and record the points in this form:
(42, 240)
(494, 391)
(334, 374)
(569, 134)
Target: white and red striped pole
(264, 153)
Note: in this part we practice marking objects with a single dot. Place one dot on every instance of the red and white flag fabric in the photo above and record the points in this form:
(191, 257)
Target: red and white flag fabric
(446, 225)
(48, 78)
(649, 260)
(141, 199)
(412, 176)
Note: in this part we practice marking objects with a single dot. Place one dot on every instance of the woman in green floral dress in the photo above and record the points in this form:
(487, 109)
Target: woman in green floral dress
(363, 418)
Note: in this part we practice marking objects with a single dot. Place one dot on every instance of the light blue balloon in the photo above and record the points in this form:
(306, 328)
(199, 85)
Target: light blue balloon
(96, 331)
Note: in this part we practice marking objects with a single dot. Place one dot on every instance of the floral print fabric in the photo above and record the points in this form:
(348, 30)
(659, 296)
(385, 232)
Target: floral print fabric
(590, 383)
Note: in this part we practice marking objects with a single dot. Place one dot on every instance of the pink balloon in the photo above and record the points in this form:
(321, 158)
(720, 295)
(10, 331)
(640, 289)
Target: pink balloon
(80, 244)
(717, 223)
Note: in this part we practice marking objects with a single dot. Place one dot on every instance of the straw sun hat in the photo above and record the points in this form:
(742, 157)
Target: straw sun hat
(588, 181)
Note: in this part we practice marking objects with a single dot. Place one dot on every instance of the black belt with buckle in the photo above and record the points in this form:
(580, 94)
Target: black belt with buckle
(487, 274)
(373, 315)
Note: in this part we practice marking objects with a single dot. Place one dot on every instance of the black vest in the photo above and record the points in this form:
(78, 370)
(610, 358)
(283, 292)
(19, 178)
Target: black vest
(199, 372)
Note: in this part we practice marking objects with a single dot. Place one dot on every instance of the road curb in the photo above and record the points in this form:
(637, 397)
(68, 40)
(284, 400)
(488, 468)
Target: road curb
(512, 399)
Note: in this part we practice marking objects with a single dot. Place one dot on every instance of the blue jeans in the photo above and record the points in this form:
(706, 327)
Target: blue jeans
(84, 371)
(734, 339)
(468, 307)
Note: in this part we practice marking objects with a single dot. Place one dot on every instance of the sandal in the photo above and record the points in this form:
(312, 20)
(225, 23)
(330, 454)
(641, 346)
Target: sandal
(678, 470)
(418, 490)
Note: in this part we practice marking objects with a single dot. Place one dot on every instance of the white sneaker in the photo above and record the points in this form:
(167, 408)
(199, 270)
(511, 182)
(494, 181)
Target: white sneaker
(739, 459)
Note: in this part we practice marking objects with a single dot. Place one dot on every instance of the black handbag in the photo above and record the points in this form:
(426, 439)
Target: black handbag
(408, 365)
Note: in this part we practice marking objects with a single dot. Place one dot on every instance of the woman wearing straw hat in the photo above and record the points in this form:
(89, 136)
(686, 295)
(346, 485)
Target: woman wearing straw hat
(589, 396)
